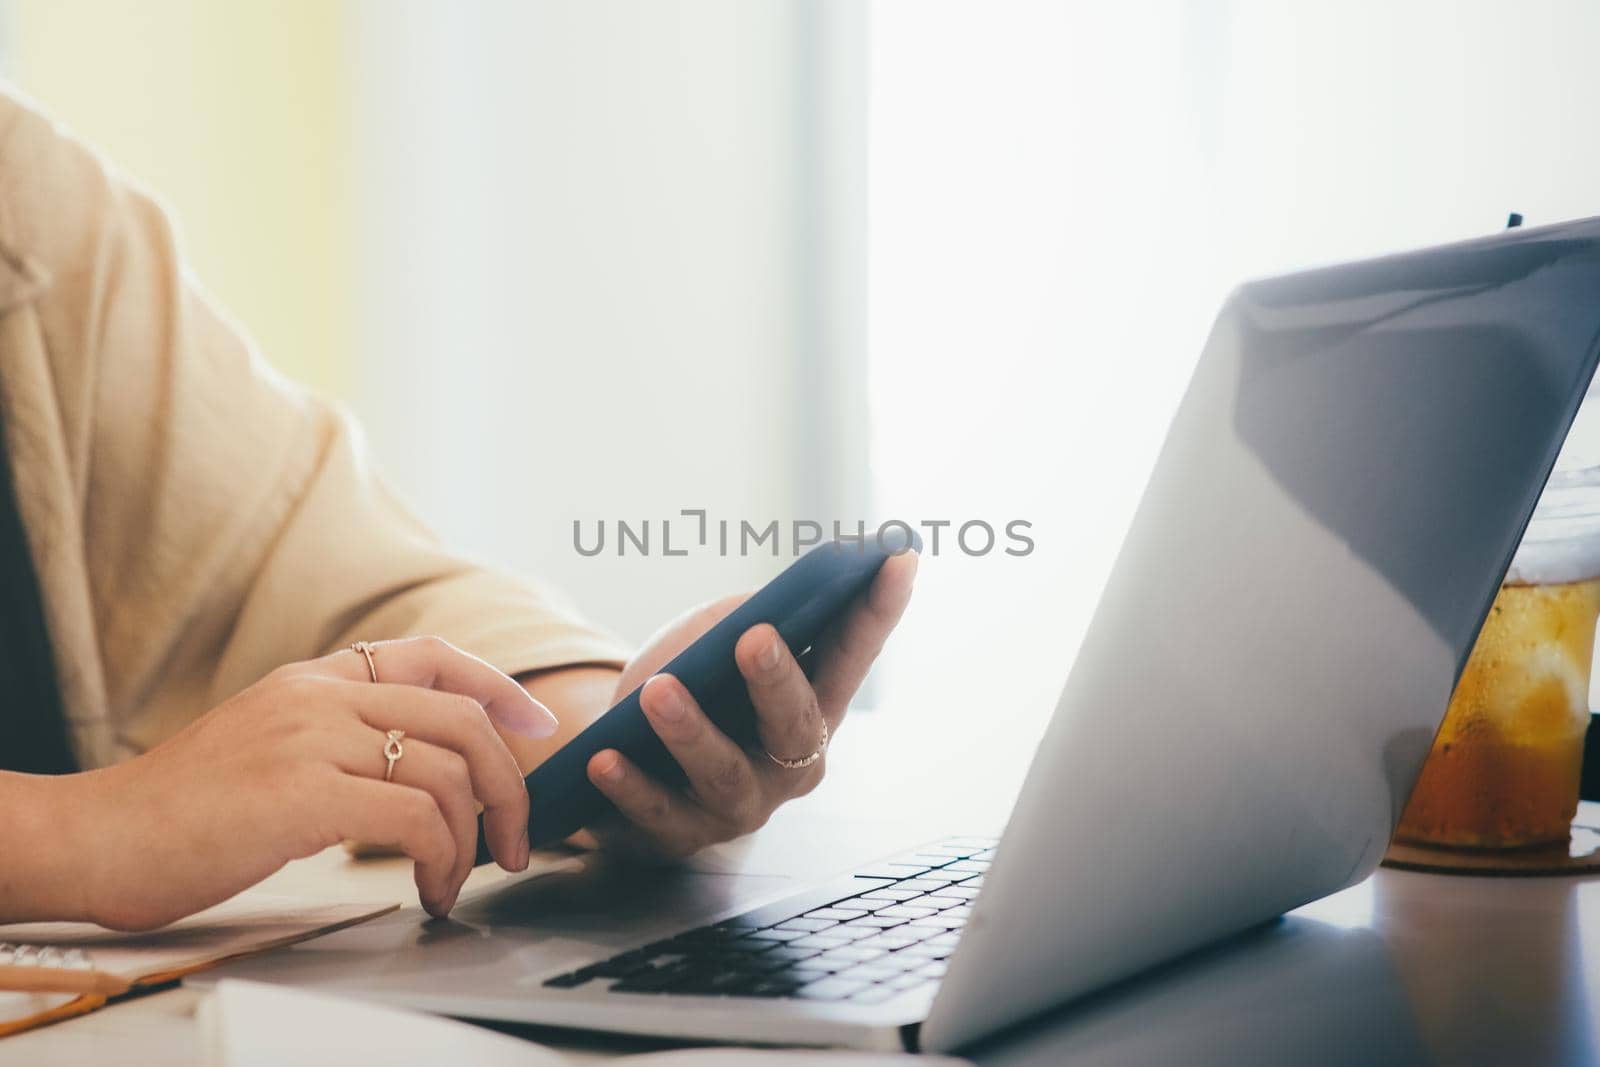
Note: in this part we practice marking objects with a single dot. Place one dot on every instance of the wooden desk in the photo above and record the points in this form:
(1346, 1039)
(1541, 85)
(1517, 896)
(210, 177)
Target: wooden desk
(1400, 969)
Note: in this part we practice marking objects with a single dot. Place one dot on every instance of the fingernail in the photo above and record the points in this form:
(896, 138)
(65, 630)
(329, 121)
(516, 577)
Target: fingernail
(526, 719)
(669, 705)
(771, 652)
(609, 766)
(522, 853)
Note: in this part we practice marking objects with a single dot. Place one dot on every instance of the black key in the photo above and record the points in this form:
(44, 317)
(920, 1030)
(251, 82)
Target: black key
(763, 965)
(850, 954)
(821, 941)
(568, 980)
(876, 971)
(690, 986)
(925, 951)
(633, 986)
(922, 859)
(893, 940)
(953, 892)
(710, 934)
(900, 961)
(725, 961)
(895, 871)
(837, 913)
(939, 876)
(785, 954)
(712, 981)
(774, 936)
(864, 906)
(890, 894)
(800, 903)
(731, 981)
(749, 946)
(772, 987)
(621, 966)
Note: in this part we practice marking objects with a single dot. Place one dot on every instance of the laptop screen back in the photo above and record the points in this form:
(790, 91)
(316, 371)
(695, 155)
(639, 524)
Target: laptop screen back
(1337, 500)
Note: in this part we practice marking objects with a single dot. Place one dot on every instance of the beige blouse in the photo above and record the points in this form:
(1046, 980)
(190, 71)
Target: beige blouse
(195, 519)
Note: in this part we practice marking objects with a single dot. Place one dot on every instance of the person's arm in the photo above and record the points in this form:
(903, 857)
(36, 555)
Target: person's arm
(39, 879)
(282, 770)
(203, 520)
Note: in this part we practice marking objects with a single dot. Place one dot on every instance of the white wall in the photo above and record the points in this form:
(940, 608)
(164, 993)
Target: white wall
(587, 282)
(1061, 195)
(234, 115)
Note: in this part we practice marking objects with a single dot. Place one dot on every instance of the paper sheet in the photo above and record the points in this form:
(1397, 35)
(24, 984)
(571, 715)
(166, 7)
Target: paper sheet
(247, 923)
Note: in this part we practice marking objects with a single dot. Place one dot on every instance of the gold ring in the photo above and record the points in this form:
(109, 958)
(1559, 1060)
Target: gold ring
(392, 751)
(803, 761)
(367, 650)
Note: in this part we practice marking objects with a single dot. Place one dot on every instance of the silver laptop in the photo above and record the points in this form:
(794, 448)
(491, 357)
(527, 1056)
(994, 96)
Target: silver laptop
(1338, 498)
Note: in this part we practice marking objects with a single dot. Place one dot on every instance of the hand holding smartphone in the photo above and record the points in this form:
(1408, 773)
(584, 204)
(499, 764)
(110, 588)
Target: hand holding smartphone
(800, 603)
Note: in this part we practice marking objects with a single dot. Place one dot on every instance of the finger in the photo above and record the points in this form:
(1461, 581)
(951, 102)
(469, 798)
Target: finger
(441, 773)
(402, 818)
(787, 713)
(676, 826)
(847, 651)
(719, 771)
(458, 723)
(434, 663)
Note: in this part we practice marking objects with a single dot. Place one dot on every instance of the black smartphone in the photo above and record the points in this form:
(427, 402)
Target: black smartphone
(799, 603)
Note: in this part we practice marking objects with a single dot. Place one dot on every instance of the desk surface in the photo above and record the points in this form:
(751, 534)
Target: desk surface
(1403, 968)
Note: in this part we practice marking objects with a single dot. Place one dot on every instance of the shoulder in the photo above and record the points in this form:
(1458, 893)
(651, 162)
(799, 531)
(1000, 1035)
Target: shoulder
(63, 207)
(22, 275)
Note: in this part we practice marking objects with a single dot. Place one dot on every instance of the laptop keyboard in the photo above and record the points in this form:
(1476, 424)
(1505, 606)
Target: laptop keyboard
(864, 939)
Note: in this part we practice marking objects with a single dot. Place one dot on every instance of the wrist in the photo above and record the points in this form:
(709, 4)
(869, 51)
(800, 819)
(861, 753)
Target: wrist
(50, 843)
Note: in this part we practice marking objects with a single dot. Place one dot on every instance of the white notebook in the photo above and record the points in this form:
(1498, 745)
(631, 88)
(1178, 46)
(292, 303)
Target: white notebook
(252, 1024)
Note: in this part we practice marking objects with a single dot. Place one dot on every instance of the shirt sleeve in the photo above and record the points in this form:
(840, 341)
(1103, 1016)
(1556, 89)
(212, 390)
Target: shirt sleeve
(232, 522)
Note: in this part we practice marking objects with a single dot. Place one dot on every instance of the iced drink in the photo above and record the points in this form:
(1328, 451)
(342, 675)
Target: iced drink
(1504, 768)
